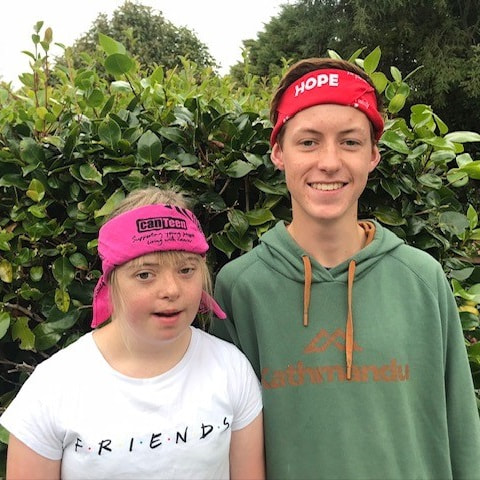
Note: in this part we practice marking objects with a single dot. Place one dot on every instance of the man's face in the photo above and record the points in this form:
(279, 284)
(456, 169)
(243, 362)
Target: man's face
(327, 154)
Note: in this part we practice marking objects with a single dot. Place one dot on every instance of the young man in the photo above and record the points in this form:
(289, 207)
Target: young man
(355, 335)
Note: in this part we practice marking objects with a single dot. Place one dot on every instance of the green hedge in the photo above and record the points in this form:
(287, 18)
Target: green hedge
(74, 142)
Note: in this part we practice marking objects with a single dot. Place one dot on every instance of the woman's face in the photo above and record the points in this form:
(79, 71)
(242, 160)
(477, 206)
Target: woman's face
(156, 301)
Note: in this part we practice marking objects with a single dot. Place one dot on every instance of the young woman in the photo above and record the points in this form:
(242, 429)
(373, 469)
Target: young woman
(145, 395)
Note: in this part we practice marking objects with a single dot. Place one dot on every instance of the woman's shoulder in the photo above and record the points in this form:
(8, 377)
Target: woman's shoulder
(75, 355)
(218, 348)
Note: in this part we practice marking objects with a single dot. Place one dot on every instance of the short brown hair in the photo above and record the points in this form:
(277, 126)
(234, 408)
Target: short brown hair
(302, 67)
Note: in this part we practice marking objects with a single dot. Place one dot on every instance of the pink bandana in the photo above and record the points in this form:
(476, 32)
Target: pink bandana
(148, 229)
(328, 86)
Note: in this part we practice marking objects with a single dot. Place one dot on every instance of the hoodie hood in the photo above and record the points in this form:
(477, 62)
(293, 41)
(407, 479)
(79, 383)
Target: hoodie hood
(284, 255)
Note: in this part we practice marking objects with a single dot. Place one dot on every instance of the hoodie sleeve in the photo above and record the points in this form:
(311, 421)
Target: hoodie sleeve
(462, 413)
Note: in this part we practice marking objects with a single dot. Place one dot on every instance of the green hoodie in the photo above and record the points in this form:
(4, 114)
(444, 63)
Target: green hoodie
(408, 410)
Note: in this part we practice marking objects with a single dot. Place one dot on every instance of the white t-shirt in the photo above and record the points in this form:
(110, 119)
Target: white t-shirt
(102, 424)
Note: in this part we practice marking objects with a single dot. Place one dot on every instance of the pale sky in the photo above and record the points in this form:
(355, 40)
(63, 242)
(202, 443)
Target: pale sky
(219, 24)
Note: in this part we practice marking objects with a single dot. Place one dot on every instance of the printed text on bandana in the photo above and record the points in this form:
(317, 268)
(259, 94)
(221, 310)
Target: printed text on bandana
(160, 223)
(330, 79)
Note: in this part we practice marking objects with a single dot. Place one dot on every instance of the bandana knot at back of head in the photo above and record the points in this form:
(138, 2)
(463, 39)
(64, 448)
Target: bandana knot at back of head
(143, 230)
(323, 86)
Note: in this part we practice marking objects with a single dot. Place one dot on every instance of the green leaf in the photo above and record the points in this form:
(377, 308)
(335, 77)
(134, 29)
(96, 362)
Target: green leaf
(58, 321)
(396, 103)
(453, 222)
(379, 80)
(472, 169)
(173, 134)
(36, 190)
(221, 242)
(5, 320)
(391, 187)
(396, 74)
(430, 180)
(6, 271)
(187, 159)
(394, 141)
(110, 45)
(255, 160)
(63, 271)
(38, 211)
(36, 273)
(21, 331)
(271, 189)
(239, 169)
(472, 217)
(158, 75)
(62, 299)
(118, 64)
(109, 132)
(110, 204)
(79, 261)
(120, 86)
(462, 137)
(389, 216)
(45, 340)
(31, 152)
(439, 142)
(149, 147)
(5, 238)
(96, 98)
(90, 173)
(243, 243)
(370, 62)
(85, 80)
(238, 221)
(457, 178)
(259, 216)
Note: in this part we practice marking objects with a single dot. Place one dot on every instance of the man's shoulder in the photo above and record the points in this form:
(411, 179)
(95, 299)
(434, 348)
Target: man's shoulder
(420, 263)
(240, 265)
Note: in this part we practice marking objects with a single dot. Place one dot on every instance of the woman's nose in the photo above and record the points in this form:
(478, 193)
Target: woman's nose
(168, 285)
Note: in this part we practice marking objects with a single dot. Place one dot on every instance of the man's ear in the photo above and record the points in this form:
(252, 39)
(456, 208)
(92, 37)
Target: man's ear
(276, 156)
(375, 159)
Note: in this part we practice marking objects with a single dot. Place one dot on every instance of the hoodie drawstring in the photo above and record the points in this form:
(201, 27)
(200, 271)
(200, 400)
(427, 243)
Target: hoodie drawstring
(349, 327)
(306, 288)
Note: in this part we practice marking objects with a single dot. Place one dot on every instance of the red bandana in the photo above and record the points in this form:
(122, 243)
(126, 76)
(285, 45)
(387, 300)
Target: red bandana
(340, 87)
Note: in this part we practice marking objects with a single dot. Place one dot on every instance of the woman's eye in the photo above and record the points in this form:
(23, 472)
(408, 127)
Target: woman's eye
(187, 270)
(143, 275)
(307, 143)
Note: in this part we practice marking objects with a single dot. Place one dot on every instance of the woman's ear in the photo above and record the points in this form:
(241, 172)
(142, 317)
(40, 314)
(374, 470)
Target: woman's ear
(276, 156)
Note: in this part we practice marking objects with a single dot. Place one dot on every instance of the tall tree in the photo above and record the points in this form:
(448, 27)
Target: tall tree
(147, 35)
(441, 36)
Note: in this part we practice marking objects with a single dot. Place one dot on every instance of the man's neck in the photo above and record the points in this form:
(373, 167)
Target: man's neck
(329, 243)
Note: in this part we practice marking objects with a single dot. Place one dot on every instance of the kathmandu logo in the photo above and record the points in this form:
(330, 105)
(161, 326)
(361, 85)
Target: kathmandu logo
(337, 339)
(298, 373)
